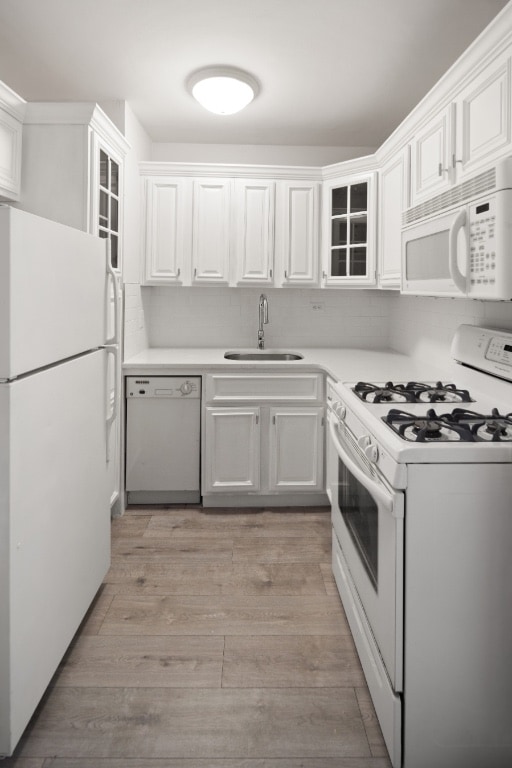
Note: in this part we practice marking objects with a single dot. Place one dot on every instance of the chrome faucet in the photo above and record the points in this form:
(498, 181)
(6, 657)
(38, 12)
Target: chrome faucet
(263, 319)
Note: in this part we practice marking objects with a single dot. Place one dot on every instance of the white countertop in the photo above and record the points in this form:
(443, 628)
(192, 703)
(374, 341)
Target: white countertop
(340, 364)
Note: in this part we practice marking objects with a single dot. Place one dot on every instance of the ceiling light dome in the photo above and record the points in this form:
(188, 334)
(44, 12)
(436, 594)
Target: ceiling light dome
(223, 90)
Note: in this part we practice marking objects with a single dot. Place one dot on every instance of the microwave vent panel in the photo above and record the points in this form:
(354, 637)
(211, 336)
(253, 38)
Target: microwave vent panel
(458, 195)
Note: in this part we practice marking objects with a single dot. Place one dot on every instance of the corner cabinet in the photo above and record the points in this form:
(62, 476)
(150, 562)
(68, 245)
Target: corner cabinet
(349, 232)
(12, 111)
(393, 200)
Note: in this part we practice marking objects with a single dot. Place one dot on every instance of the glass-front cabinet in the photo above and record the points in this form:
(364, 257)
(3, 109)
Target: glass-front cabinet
(349, 232)
(108, 204)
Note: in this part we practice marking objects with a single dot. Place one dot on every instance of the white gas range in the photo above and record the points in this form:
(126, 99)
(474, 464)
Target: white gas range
(420, 481)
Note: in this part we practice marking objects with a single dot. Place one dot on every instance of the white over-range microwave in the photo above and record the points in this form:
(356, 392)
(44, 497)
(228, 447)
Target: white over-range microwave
(460, 242)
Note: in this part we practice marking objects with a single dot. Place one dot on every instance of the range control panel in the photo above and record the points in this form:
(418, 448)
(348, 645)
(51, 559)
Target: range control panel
(500, 350)
(163, 386)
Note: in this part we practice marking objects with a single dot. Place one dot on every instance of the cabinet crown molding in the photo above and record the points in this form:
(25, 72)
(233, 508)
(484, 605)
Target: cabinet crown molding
(77, 113)
(11, 102)
(162, 168)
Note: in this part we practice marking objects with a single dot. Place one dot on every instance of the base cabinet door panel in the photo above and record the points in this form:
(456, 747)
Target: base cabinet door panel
(232, 449)
(296, 449)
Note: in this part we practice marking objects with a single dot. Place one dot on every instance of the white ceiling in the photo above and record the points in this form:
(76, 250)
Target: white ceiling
(332, 72)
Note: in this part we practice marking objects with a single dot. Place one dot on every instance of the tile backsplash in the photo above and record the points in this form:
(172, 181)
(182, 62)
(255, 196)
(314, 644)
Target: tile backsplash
(225, 317)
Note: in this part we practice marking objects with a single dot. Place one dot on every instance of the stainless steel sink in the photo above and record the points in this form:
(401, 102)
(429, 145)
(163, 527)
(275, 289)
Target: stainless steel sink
(262, 356)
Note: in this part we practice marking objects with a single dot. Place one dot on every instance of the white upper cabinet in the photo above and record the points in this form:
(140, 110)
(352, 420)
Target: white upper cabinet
(12, 111)
(253, 212)
(73, 158)
(432, 151)
(297, 232)
(167, 244)
(393, 199)
(211, 230)
(349, 218)
(470, 133)
(483, 132)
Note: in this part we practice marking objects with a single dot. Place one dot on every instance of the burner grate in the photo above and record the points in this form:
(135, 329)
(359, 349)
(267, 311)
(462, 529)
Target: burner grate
(460, 425)
(411, 392)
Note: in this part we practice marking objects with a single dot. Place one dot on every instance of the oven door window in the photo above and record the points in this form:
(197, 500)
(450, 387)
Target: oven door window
(361, 516)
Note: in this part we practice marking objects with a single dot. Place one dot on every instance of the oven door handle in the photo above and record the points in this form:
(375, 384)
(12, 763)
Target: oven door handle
(372, 486)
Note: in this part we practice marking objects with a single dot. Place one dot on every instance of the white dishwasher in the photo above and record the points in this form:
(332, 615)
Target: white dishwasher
(163, 439)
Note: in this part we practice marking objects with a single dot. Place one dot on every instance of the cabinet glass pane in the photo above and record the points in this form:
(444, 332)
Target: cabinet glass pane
(358, 261)
(103, 208)
(114, 251)
(339, 262)
(339, 201)
(103, 169)
(114, 178)
(339, 232)
(358, 229)
(359, 197)
(114, 208)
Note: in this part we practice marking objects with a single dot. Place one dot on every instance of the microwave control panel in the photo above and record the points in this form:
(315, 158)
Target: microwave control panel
(482, 243)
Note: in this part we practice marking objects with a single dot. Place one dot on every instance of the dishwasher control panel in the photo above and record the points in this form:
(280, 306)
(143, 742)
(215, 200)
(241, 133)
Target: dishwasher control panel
(163, 386)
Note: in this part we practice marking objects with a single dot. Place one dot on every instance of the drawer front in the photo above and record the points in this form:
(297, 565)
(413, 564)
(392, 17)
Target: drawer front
(280, 387)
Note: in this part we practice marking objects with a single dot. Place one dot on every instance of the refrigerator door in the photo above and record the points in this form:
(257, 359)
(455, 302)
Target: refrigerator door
(53, 292)
(54, 525)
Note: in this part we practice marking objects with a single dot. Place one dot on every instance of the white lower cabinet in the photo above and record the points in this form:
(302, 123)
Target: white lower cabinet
(232, 448)
(295, 449)
(263, 450)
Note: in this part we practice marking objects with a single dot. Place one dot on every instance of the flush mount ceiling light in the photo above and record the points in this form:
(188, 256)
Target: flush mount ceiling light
(223, 90)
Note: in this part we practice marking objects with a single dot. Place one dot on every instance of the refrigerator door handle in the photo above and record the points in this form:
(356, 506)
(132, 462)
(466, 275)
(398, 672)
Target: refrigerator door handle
(114, 339)
(112, 407)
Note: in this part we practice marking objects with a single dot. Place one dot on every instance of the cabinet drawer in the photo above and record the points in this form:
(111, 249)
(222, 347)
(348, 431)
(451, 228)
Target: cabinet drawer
(279, 387)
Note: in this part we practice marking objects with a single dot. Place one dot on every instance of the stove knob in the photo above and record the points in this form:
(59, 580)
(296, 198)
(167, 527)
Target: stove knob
(371, 452)
(186, 388)
(363, 442)
(340, 411)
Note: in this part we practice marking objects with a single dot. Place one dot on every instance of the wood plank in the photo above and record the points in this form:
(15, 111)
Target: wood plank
(294, 762)
(149, 578)
(221, 615)
(158, 662)
(371, 723)
(129, 526)
(229, 723)
(328, 577)
(194, 549)
(282, 549)
(291, 661)
(262, 523)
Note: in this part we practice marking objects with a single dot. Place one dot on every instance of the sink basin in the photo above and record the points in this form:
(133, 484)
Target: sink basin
(262, 356)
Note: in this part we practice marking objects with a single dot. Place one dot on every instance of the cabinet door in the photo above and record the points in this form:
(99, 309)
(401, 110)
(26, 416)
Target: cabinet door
(211, 230)
(432, 157)
(106, 179)
(349, 231)
(483, 119)
(232, 449)
(254, 231)
(296, 454)
(10, 156)
(297, 232)
(166, 244)
(393, 199)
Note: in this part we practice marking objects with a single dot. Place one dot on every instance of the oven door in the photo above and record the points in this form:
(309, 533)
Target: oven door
(367, 518)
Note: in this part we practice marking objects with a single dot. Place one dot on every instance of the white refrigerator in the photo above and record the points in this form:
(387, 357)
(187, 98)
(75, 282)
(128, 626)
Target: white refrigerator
(54, 423)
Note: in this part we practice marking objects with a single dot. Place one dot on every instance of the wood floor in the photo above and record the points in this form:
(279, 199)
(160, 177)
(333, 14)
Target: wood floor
(218, 640)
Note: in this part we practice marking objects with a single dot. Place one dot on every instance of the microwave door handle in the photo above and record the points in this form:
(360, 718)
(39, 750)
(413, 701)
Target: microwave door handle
(458, 224)
(374, 488)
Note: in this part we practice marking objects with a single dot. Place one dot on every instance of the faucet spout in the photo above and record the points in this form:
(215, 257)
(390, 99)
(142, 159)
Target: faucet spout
(263, 320)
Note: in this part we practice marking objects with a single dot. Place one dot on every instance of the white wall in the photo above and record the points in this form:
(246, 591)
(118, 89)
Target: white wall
(424, 327)
(256, 154)
(227, 317)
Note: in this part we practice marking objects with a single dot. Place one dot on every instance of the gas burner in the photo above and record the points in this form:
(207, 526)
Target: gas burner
(460, 425)
(412, 392)
(439, 393)
(427, 429)
(383, 393)
(496, 427)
